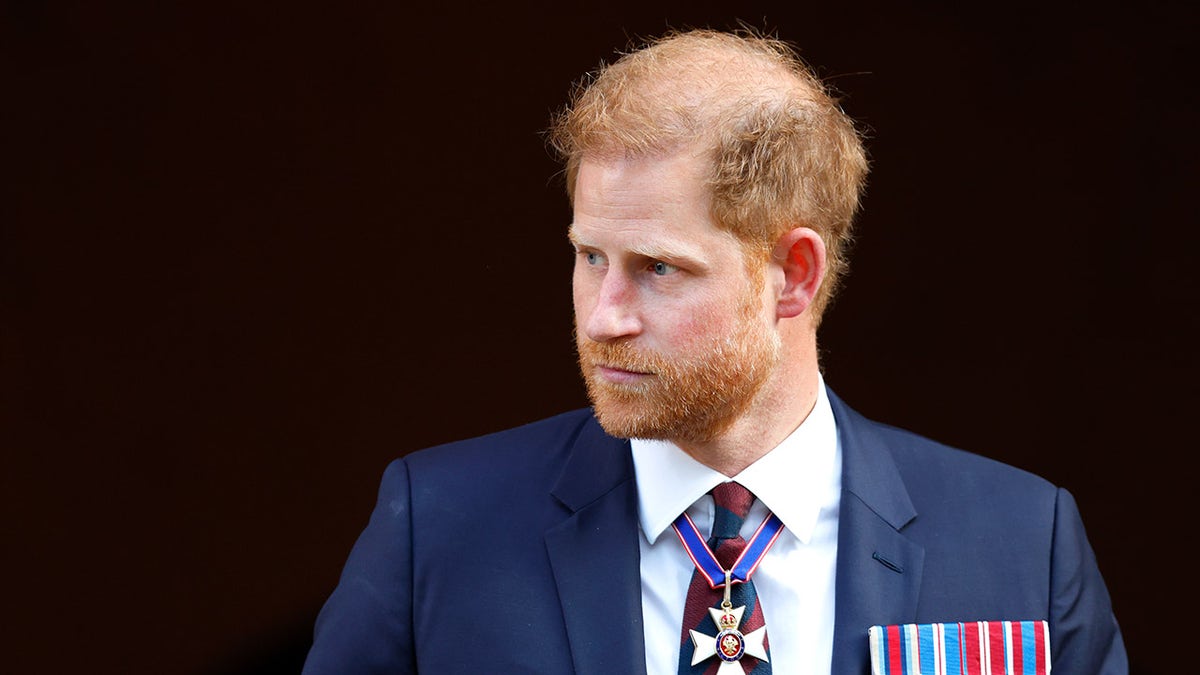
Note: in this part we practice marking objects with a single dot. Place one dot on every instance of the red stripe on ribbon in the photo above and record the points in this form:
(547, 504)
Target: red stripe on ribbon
(971, 640)
(895, 665)
(1018, 649)
(1039, 649)
(996, 653)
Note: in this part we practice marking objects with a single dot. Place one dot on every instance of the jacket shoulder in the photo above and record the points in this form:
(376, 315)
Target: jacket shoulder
(936, 473)
(526, 451)
(925, 460)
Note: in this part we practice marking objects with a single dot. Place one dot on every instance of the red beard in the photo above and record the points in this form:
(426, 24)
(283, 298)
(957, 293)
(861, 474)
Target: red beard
(693, 397)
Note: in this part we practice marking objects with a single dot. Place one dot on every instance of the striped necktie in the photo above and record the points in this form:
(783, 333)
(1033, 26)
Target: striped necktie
(732, 504)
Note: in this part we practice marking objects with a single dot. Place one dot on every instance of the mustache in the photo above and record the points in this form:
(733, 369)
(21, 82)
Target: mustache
(620, 355)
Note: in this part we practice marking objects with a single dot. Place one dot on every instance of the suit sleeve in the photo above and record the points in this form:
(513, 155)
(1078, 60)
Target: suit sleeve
(1084, 636)
(366, 624)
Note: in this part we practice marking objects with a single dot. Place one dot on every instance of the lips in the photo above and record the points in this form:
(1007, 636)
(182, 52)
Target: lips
(619, 374)
(624, 369)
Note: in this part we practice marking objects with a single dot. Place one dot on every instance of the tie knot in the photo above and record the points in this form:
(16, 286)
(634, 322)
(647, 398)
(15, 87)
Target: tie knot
(733, 503)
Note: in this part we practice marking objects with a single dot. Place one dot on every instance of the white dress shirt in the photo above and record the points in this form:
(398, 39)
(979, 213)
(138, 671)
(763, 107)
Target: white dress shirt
(800, 481)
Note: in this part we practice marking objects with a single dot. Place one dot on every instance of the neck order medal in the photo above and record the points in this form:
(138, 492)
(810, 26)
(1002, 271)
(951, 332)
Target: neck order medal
(729, 644)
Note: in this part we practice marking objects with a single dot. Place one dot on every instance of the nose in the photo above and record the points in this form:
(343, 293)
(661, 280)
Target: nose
(610, 308)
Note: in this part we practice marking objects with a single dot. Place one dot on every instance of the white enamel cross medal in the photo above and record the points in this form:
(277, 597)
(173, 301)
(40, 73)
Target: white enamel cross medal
(730, 645)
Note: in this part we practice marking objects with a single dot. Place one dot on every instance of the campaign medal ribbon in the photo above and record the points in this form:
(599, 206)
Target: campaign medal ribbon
(962, 648)
(730, 644)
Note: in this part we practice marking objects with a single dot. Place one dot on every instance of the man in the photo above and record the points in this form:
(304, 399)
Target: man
(713, 182)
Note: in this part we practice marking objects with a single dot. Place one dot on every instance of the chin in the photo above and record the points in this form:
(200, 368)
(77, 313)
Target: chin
(655, 423)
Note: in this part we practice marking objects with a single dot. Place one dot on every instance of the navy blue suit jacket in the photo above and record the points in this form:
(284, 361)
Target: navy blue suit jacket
(517, 552)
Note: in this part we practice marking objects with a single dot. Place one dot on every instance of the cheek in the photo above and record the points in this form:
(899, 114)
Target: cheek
(693, 326)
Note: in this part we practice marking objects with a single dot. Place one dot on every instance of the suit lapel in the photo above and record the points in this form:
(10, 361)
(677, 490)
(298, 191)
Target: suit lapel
(595, 558)
(878, 568)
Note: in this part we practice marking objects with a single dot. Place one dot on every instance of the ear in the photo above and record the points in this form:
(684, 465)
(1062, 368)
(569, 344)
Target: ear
(800, 255)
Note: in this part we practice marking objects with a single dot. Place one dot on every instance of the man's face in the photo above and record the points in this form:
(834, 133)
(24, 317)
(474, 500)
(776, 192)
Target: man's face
(674, 336)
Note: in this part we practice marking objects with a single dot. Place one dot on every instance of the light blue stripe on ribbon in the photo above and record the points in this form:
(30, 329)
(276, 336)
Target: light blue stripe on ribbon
(925, 642)
(953, 642)
(1028, 648)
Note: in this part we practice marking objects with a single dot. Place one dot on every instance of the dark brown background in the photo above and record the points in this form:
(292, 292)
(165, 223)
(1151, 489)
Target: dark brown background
(249, 254)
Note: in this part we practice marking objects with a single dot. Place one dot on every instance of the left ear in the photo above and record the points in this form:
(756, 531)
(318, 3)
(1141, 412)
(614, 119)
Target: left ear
(800, 254)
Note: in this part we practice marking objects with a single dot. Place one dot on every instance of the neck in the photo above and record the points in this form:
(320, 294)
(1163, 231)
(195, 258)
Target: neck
(780, 407)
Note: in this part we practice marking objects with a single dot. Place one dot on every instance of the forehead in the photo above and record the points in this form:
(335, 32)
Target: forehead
(646, 202)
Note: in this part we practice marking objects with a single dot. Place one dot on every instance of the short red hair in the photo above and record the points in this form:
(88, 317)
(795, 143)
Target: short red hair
(783, 153)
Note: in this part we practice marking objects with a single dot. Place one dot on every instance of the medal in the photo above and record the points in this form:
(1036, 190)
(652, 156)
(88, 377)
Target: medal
(729, 644)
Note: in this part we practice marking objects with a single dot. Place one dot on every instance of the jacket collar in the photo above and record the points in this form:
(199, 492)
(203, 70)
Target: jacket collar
(878, 568)
(595, 557)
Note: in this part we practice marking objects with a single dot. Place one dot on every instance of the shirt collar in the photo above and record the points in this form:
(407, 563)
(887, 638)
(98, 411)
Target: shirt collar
(791, 480)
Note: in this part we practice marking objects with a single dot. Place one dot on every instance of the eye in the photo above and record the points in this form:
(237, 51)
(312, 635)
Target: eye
(662, 269)
(592, 258)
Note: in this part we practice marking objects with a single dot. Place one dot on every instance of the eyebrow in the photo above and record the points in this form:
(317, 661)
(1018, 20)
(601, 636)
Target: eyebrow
(573, 235)
(689, 255)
